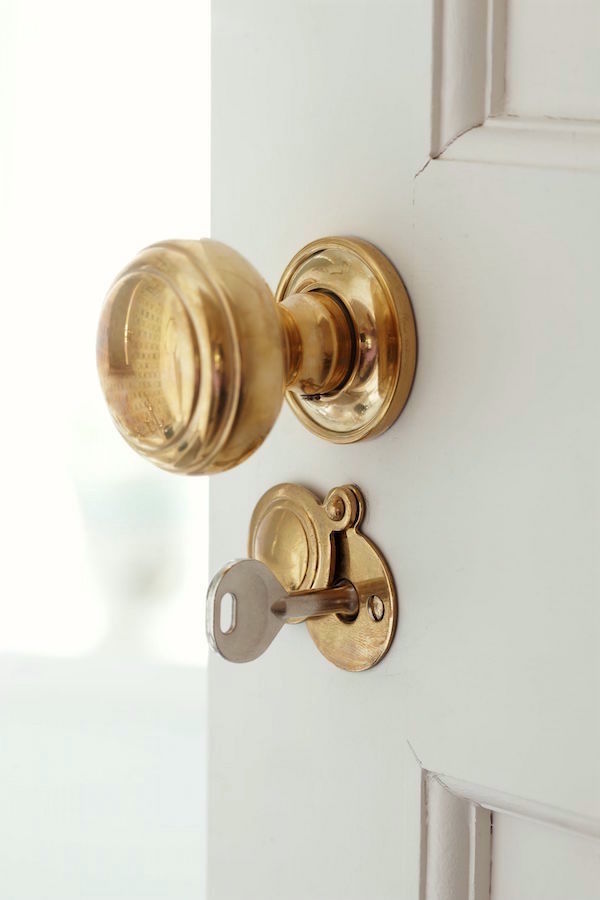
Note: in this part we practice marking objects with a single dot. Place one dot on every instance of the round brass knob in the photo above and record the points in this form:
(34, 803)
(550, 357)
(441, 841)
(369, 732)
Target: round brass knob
(195, 356)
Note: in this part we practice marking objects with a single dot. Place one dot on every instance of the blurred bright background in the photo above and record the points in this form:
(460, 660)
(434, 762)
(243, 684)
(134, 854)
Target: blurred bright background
(104, 148)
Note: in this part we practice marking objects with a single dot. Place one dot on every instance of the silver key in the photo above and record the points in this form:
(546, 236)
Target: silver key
(260, 607)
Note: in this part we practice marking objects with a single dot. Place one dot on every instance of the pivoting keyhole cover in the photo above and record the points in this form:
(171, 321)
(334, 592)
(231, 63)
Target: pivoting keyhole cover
(310, 545)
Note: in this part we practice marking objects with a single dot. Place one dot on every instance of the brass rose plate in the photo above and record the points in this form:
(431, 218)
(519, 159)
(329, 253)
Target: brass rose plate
(309, 561)
(374, 299)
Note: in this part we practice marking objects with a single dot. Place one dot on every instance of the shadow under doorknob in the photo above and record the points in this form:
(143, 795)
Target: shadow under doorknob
(195, 354)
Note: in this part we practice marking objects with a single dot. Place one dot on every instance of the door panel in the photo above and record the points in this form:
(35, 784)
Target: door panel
(479, 844)
(533, 861)
(507, 485)
(553, 58)
(483, 496)
(506, 90)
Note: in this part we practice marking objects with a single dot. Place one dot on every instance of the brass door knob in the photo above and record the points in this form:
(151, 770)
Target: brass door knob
(195, 354)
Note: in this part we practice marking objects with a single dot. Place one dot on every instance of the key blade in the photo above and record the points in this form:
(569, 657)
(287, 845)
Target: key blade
(254, 626)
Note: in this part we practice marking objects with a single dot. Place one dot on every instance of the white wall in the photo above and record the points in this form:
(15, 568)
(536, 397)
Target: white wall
(104, 148)
(102, 780)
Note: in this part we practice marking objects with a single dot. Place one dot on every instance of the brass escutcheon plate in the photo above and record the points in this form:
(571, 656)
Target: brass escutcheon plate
(374, 299)
(309, 544)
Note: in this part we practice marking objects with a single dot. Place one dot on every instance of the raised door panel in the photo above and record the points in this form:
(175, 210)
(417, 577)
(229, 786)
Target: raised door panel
(552, 63)
(500, 520)
(515, 81)
(483, 845)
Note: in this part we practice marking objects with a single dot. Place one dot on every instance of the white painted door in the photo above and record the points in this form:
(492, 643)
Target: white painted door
(464, 142)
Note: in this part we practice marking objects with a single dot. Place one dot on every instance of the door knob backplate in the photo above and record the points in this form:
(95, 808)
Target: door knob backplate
(384, 347)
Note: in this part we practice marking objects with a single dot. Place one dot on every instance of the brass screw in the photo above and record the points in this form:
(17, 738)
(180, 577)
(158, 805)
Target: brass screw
(336, 509)
(376, 608)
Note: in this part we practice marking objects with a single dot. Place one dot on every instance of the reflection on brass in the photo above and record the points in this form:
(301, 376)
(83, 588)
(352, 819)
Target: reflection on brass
(195, 356)
(309, 545)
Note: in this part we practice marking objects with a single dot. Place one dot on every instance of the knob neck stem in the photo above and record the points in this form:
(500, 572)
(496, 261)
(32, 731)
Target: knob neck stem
(319, 342)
